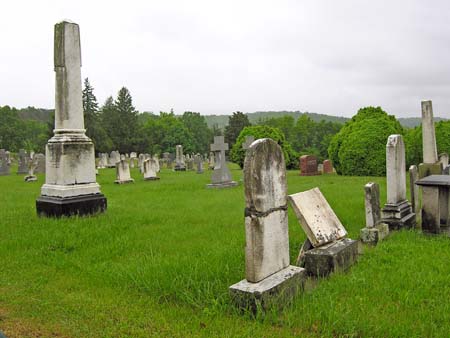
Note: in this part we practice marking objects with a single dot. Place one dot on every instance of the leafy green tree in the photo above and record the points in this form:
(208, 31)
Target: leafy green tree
(359, 149)
(237, 154)
(236, 123)
(201, 134)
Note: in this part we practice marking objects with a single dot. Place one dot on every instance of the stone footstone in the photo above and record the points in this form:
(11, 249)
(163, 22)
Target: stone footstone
(30, 178)
(274, 291)
(335, 256)
(69, 206)
(222, 185)
(375, 234)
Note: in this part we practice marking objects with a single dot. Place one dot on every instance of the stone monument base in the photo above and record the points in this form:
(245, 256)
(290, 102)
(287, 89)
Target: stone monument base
(399, 216)
(222, 185)
(375, 234)
(274, 291)
(339, 255)
(67, 206)
(428, 169)
(151, 178)
(124, 181)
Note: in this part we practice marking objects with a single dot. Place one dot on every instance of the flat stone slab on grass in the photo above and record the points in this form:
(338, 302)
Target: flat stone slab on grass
(274, 291)
(335, 256)
(316, 217)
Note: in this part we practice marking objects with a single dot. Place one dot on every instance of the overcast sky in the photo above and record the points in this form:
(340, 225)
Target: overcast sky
(219, 56)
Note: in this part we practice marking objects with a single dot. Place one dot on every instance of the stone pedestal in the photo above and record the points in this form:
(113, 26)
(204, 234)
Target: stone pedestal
(273, 292)
(335, 256)
(375, 234)
(399, 215)
(76, 205)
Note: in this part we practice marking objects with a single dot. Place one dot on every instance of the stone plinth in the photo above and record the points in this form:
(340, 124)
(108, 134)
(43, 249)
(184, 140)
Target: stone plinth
(335, 256)
(375, 234)
(308, 165)
(273, 292)
(399, 215)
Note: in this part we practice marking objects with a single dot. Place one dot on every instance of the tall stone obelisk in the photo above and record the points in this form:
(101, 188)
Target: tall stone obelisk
(70, 184)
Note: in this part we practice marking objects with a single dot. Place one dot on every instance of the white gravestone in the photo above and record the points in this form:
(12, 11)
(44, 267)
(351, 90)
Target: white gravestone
(123, 173)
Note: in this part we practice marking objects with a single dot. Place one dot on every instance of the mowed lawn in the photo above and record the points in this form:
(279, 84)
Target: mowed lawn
(159, 263)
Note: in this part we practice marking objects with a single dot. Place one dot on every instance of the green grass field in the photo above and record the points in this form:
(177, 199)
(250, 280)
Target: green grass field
(159, 263)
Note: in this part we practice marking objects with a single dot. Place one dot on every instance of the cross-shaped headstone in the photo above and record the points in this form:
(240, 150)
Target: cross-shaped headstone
(219, 147)
(248, 141)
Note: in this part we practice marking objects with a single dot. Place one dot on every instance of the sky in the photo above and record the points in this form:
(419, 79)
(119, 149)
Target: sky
(219, 56)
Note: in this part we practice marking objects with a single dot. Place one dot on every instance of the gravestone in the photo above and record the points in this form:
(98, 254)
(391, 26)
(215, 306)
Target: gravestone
(132, 162)
(141, 160)
(414, 191)
(199, 163)
(308, 165)
(327, 167)
(211, 161)
(180, 164)
(397, 212)
(431, 164)
(70, 183)
(114, 157)
(320, 168)
(40, 163)
(375, 229)
(4, 163)
(31, 177)
(150, 170)
(443, 158)
(270, 281)
(156, 163)
(221, 176)
(103, 161)
(327, 248)
(166, 159)
(23, 162)
(123, 172)
(133, 154)
(189, 162)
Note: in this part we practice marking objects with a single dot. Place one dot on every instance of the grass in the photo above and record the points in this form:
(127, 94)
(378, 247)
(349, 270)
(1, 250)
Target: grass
(159, 263)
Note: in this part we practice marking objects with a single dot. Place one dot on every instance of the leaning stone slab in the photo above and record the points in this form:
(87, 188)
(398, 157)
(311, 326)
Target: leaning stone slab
(332, 257)
(316, 217)
(375, 230)
(276, 291)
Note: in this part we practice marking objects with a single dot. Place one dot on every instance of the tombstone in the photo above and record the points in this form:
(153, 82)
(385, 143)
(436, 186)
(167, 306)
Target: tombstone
(40, 163)
(375, 229)
(211, 161)
(103, 161)
(443, 158)
(308, 165)
(270, 280)
(221, 176)
(31, 177)
(133, 154)
(132, 162)
(180, 164)
(414, 191)
(327, 167)
(141, 160)
(327, 248)
(150, 170)
(23, 162)
(156, 163)
(320, 168)
(70, 184)
(431, 164)
(397, 212)
(4, 163)
(123, 173)
(114, 157)
(190, 163)
(123, 157)
(199, 163)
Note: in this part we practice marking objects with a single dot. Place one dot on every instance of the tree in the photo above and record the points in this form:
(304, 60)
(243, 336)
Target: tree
(359, 148)
(237, 154)
(197, 126)
(236, 123)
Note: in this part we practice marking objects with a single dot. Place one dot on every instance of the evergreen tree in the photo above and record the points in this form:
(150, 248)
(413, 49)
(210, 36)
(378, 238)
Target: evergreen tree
(90, 108)
(125, 130)
(236, 123)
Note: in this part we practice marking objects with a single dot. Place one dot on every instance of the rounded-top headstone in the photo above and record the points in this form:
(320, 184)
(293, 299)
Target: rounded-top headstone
(265, 176)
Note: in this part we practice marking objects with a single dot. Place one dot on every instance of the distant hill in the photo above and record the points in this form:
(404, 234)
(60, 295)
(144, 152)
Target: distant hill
(411, 122)
(38, 114)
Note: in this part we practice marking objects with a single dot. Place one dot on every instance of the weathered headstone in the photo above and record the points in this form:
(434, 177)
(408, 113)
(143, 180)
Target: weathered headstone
(114, 157)
(132, 162)
(431, 164)
(23, 162)
(331, 250)
(199, 163)
(70, 183)
(4, 163)
(123, 172)
(31, 177)
(156, 163)
(397, 212)
(270, 280)
(414, 191)
(150, 170)
(443, 158)
(141, 160)
(189, 162)
(320, 168)
(308, 165)
(180, 164)
(221, 176)
(103, 161)
(375, 230)
(211, 161)
(327, 167)
(40, 163)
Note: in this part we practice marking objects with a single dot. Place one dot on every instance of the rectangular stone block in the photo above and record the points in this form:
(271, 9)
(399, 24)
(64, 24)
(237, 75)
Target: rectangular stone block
(426, 169)
(339, 255)
(375, 234)
(275, 291)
